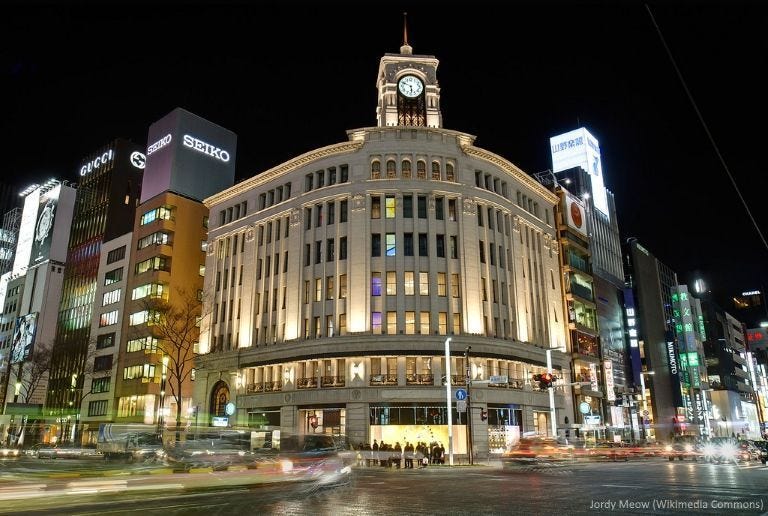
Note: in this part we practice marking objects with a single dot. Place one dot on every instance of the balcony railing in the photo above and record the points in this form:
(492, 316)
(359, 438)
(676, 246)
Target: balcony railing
(332, 381)
(263, 387)
(420, 379)
(383, 379)
(306, 383)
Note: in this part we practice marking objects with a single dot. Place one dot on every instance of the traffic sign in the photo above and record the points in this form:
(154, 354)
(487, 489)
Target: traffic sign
(461, 394)
(499, 379)
(461, 405)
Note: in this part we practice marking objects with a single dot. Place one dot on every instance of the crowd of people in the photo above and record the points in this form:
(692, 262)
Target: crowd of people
(397, 456)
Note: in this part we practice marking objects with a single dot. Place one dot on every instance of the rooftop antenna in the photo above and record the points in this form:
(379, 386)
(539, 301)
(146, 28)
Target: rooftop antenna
(406, 48)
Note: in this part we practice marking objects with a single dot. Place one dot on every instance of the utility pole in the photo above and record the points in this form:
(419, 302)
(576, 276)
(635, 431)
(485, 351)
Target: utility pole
(469, 407)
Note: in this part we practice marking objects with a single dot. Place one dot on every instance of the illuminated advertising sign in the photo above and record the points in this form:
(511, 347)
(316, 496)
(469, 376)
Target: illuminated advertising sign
(43, 235)
(608, 368)
(23, 337)
(674, 370)
(97, 162)
(579, 148)
(188, 155)
(593, 378)
(575, 214)
(26, 232)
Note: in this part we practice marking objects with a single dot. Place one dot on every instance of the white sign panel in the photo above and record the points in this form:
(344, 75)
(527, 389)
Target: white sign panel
(608, 368)
(26, 232)
(574, 213)
(578, 148)
(593, 378)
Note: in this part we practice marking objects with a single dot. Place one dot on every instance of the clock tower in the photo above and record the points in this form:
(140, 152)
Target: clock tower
(408, 91)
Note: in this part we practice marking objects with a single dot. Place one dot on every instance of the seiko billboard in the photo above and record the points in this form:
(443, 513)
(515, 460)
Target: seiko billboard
(580, 149)
(188, 155)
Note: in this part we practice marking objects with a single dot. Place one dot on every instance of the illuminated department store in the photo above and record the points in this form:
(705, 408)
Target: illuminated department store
(333, 280)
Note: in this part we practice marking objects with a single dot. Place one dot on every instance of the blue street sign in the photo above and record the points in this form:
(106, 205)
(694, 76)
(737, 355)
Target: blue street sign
(461, 394)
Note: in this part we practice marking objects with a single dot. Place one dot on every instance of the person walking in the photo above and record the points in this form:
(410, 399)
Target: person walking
(408, 455)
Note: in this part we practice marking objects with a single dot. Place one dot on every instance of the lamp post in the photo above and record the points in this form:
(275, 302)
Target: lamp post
(551, 390)
(448, 398)
(469, 410)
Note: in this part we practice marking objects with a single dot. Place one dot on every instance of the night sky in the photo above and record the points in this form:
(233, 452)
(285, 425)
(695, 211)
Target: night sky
(293, 78)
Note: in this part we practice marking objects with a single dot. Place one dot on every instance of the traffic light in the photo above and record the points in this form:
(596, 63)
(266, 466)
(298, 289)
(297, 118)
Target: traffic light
(483, 415)
(545, 380)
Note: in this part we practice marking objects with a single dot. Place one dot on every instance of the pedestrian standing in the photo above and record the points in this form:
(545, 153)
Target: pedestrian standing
(398, 454)
(408, 455)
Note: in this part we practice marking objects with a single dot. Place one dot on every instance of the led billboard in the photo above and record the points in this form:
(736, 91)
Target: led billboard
(23, 337)
(26, 232)
(188, 155)
(579, 148)
(43, 234)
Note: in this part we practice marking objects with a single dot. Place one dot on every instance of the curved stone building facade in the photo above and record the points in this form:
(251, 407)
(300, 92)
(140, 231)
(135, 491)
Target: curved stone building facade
(333, 280)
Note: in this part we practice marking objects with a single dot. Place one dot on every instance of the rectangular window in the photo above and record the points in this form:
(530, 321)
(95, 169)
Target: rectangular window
(424, 323)
(308, 182)
(343, 248)
(108, 319)
(330, 250)
(408, 244)
(318, 215)
(480, 216)
(99, 407)
(441, 290)
(156, 238)
(110, 297)
(161, 213)
(104, 341)
(113, 276)
(482, 251)
(307, 256)
(318, 289)
(376, 244)
(329, 289)
(375, 207)
(100, 385)
(331, 209)
(408, 206)
(376, 322)
(440, 246)
(392, 323)
(375, 283)
(492, 254)
(391, 248)
(307, 220)
(452, 209)
(389, 206)
(306, 292)
(116, 254)
(442, 323)
(410, 323)
(150, 289)
(422, 206)
(423, 283)
(454, 246)
(343, 211)
(156, 263)
(318, 251)
(142, 344)
(423, 245)
(102, 363)
(409, 284)
(455, 287)
(439, 210)
(456, 324)
(343, 286)
(391, 283)
(343, 173)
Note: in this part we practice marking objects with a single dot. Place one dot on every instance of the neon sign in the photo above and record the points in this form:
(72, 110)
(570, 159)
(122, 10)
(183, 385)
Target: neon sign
(159, 144)
(205, 148)
(96, 163)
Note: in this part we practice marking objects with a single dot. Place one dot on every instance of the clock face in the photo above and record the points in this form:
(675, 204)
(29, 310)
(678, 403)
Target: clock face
(576, 214)
(410, 86)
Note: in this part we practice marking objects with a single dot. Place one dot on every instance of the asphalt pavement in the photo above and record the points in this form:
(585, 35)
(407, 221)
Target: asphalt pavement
(654, 486)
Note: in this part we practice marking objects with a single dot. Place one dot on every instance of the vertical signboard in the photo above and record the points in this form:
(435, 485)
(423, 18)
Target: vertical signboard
(579, 148)
(610, 394)
(633, 326)
(43, 234)
(673, 366)
(23, 337)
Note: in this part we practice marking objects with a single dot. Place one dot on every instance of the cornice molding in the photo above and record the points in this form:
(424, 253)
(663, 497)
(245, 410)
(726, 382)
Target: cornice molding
(495, 159)
(283, 168)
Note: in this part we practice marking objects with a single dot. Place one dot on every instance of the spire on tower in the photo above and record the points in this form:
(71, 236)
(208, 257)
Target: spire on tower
(406, 48)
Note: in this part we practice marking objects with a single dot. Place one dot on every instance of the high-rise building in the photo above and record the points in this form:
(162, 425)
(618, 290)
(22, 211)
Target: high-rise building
(577, 167)
(161, 275)
(334, 281)
(107, 195)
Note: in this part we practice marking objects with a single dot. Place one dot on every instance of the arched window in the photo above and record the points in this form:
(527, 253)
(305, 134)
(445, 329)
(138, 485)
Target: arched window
(435, 171)
(421, 169)
(449, 172)
(376, 169)
(406, 168)
(391, 169)
(219, 399)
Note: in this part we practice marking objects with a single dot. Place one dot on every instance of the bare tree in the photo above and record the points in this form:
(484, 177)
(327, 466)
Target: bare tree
(34, 370)
(175, 324)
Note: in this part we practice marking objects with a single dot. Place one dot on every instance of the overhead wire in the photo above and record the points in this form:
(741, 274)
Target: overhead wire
(706, 128)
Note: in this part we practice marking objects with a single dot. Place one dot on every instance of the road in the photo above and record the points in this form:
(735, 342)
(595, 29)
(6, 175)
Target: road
(675, 487)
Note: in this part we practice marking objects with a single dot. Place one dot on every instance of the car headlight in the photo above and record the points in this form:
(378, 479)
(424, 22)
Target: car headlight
(286, 465)
(668, 448)
(688, 447)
